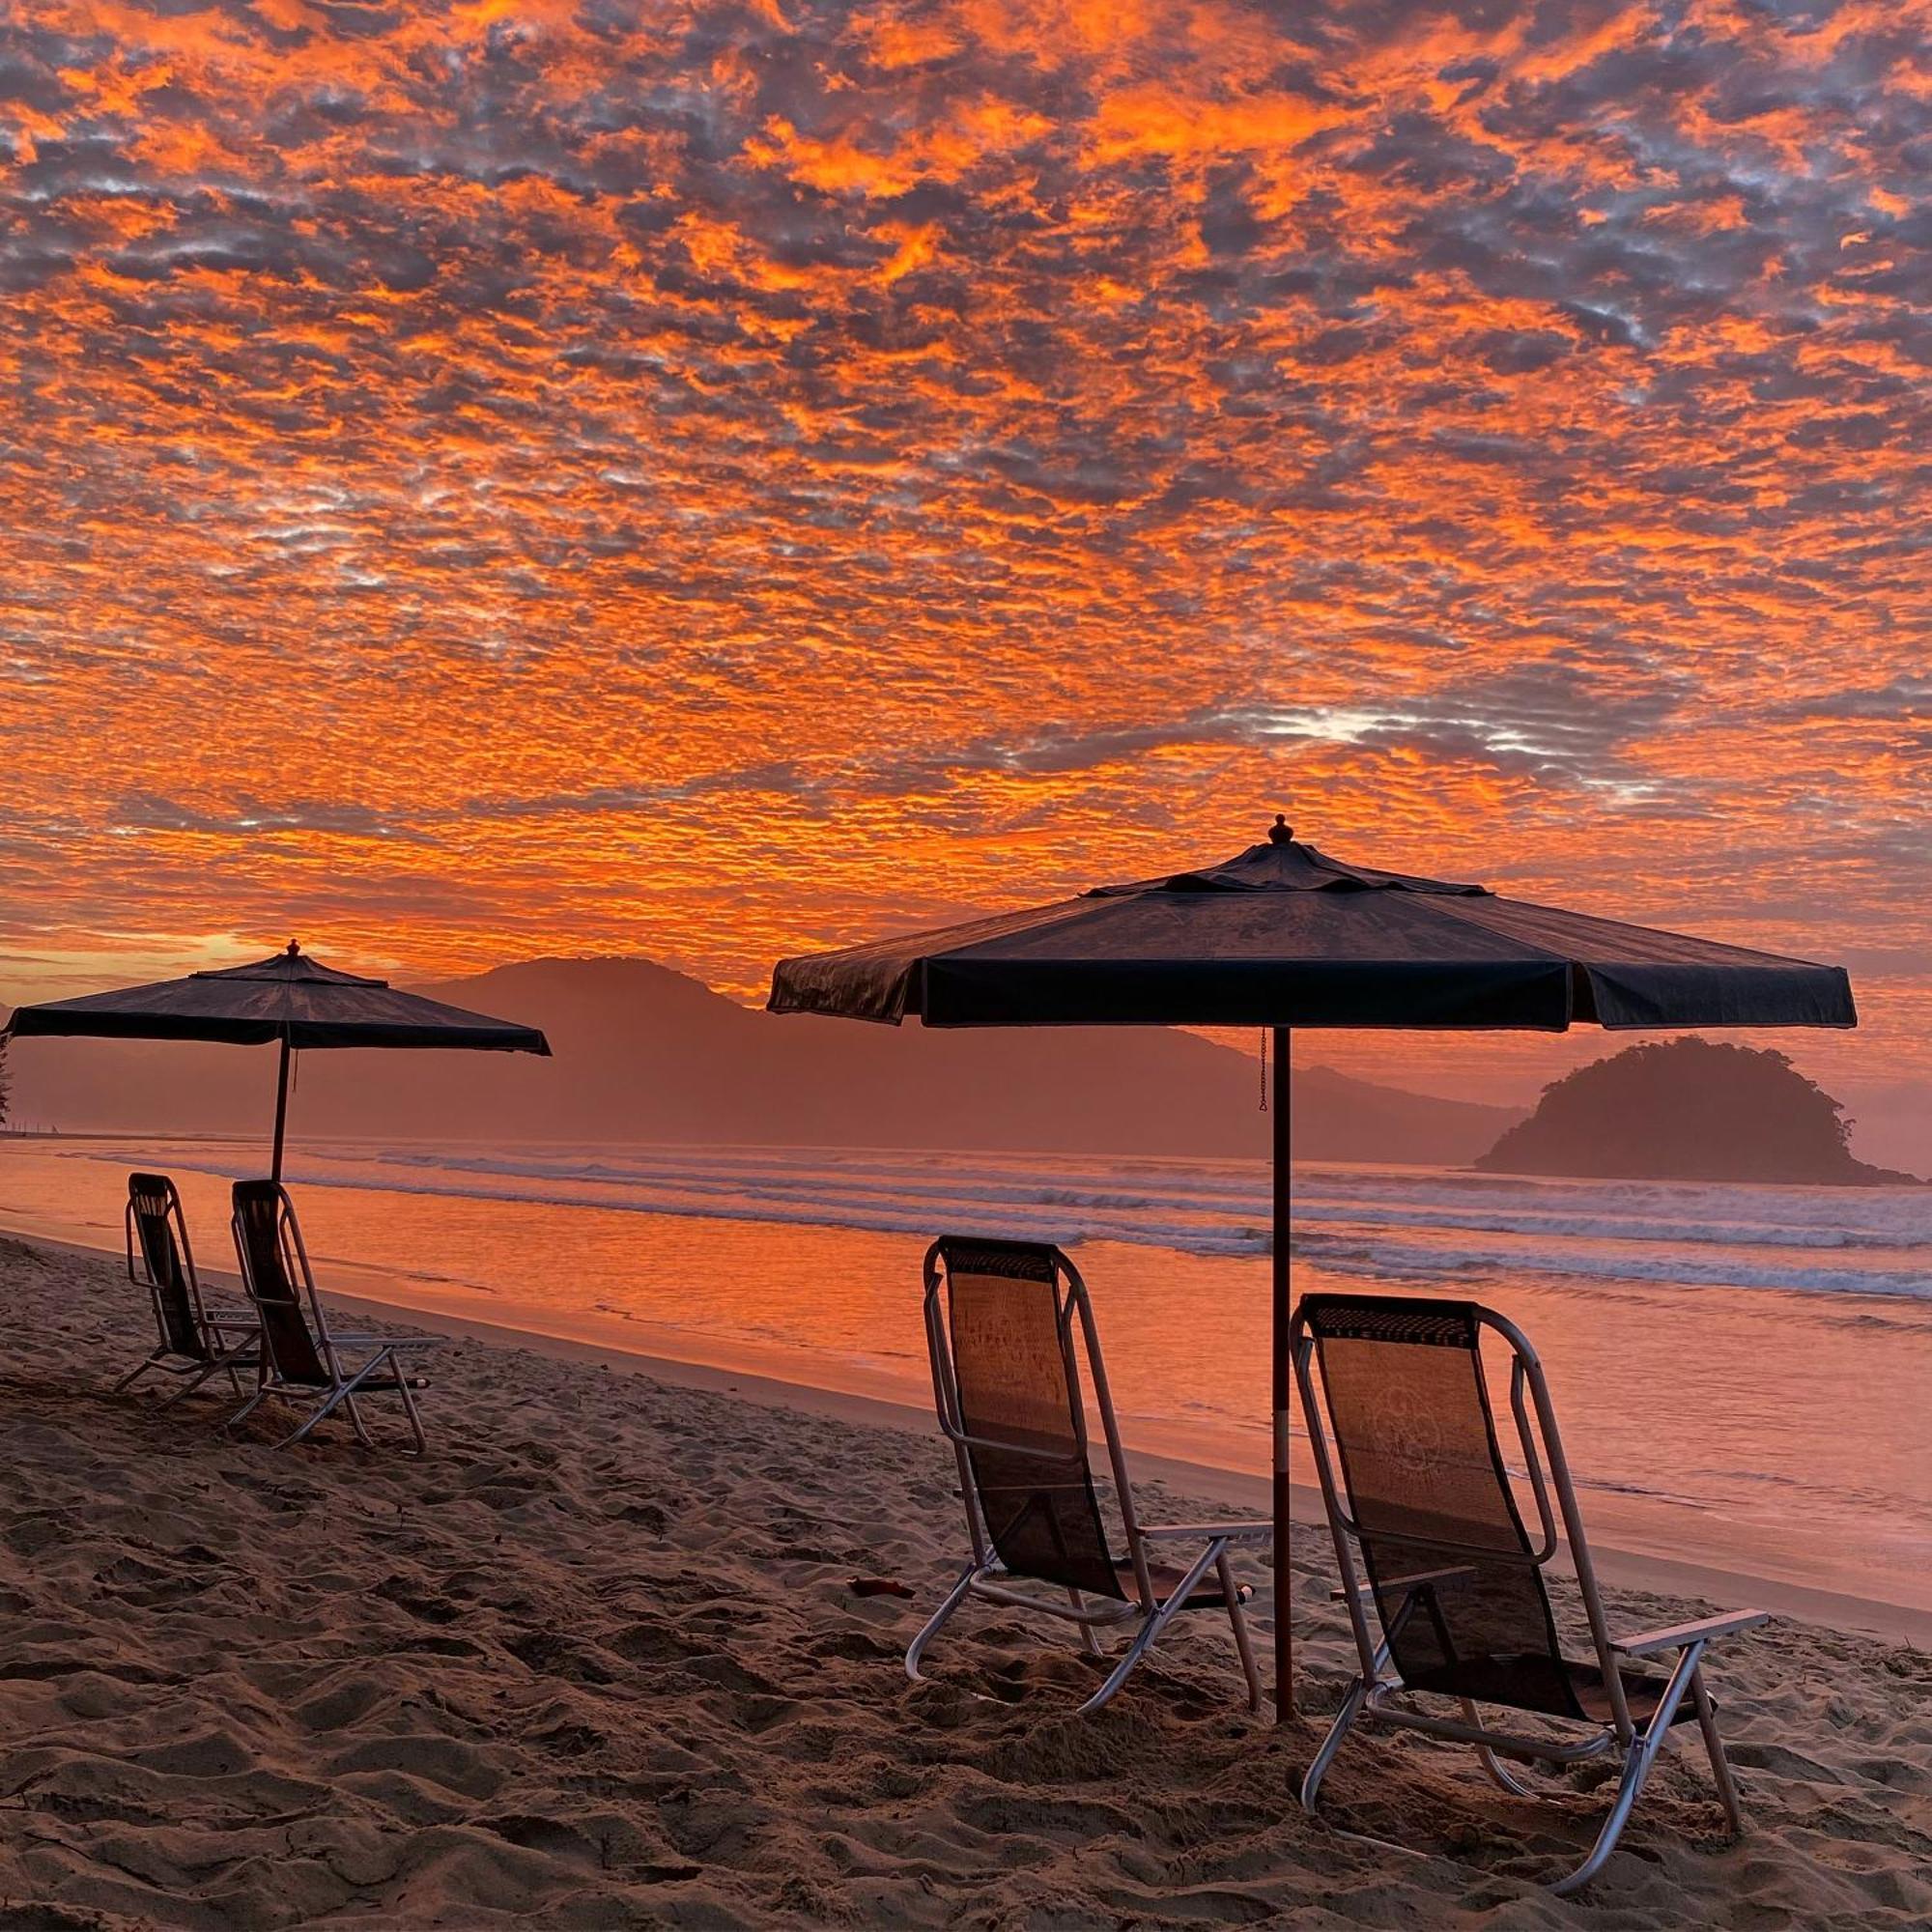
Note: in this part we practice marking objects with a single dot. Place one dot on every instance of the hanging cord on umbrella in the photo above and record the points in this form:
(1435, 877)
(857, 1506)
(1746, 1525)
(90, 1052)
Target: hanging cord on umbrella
(1264, 1070)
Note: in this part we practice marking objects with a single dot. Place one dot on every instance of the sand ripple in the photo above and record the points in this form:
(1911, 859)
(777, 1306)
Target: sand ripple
(596, 1665)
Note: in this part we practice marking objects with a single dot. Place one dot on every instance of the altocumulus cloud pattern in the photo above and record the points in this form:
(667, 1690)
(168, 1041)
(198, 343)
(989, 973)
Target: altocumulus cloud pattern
(508, 476)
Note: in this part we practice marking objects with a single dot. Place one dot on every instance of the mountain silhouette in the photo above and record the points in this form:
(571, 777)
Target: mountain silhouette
(643, 1053)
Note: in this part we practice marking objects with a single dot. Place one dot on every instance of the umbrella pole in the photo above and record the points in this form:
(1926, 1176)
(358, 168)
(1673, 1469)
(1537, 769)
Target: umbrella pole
(1284, 1642)
(281, 1110)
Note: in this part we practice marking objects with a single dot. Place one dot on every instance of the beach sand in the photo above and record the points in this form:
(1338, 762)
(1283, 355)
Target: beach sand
(596, 1662)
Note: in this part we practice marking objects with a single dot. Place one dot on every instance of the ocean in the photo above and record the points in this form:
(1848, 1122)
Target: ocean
(1744, 1373)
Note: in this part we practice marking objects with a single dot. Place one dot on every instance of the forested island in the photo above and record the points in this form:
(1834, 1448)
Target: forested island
(1689, 1109)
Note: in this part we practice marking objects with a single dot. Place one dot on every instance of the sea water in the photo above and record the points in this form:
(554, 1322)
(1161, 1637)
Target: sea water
(1744, 1373)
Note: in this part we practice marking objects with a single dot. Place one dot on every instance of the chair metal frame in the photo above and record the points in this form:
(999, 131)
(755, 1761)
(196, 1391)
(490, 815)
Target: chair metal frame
(1370, 1697)
(381, 1374)
(213, 1327)
(979, 1579)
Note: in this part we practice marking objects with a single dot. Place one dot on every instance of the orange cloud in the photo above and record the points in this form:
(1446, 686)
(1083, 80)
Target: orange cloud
(503, 481)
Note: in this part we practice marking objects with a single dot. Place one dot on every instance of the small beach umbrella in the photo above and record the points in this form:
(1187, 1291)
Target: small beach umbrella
(1283, 936)
(290, 999)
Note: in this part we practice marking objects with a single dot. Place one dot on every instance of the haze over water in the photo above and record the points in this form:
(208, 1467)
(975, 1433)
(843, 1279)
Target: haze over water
(1739, 1369)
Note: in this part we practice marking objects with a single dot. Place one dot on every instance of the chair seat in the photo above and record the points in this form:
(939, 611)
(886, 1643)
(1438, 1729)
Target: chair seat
(1534, 1683)
(1642, 1694)
(385, 1383)
(1168, 1577)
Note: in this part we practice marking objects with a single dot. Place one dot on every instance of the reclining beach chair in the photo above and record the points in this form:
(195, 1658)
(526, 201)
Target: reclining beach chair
(1454, 1579)
(1000, 1325)
(301, 1359)
(193, 1342)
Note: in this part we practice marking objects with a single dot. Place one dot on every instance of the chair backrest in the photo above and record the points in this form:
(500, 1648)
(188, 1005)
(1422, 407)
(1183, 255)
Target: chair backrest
(998, 1320)
(161, 1260)
(275, 1272)
(1423, 1487)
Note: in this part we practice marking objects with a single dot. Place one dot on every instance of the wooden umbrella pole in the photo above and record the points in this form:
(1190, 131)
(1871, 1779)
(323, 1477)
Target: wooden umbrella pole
(1284, 1642)
(281, 1110)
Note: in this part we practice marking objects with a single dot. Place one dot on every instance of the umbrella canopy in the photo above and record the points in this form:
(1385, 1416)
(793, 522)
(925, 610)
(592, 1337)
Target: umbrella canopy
(1283, 936)
(288, 998)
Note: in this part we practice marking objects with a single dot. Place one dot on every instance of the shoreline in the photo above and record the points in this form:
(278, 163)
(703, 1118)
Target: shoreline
(1871, 1176)
(1623, 1567)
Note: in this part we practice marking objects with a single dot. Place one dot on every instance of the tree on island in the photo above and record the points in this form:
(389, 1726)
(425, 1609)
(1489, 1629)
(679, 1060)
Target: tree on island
(1687, 1109)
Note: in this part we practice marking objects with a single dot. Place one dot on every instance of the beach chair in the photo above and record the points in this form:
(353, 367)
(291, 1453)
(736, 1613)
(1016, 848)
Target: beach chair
(1001, 1322)
(302, 1361)
(1416, 1486)
(193, 1342)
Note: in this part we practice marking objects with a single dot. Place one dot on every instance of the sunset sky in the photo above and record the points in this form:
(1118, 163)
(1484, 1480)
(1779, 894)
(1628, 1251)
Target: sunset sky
(488, 480)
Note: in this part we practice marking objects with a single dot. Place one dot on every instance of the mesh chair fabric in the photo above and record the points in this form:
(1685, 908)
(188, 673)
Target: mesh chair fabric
(151, 1200)
(259, 1206)
(1020, 1397)
(1426, 1481)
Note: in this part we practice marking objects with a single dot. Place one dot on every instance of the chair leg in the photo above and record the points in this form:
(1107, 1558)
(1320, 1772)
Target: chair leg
(954, 1597)
(249, 1408)
(1237, 1616)
(1089, 1642)
(357, 1423)
(193, 1383)
(1150, 1629)
(1637, 1768)
(343, 1397)
(1720, 1765)
(410, 1409)
(135, 1373)
(1345, 1721)
(323, 1411)
(1641, 1753)
(1498, 1773)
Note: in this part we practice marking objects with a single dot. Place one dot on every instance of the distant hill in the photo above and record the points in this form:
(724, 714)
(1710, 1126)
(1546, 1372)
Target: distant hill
(1337, 1117)
(1688, 1109)
(646, 1054)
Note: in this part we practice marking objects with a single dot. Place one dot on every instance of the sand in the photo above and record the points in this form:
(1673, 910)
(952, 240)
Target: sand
(597, 1663)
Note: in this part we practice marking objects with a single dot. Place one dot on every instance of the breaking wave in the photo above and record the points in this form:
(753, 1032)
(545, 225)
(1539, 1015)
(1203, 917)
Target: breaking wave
(1377, 1224)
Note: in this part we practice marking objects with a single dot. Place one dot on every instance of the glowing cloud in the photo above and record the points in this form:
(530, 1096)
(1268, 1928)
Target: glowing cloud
(486, 479)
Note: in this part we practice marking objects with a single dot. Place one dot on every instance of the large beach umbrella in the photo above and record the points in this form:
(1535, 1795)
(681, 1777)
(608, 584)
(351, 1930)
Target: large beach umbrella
(288, 998)
(1284, 936)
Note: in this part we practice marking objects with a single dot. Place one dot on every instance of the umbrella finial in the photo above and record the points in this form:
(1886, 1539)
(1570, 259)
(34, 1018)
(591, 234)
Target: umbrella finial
(1281, 832)
(294, 949)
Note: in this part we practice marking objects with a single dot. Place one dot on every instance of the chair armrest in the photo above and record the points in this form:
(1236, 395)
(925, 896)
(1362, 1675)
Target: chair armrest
(1677, 1636)
(1408, 1584)
(1208, 1532)
(361, 1340)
